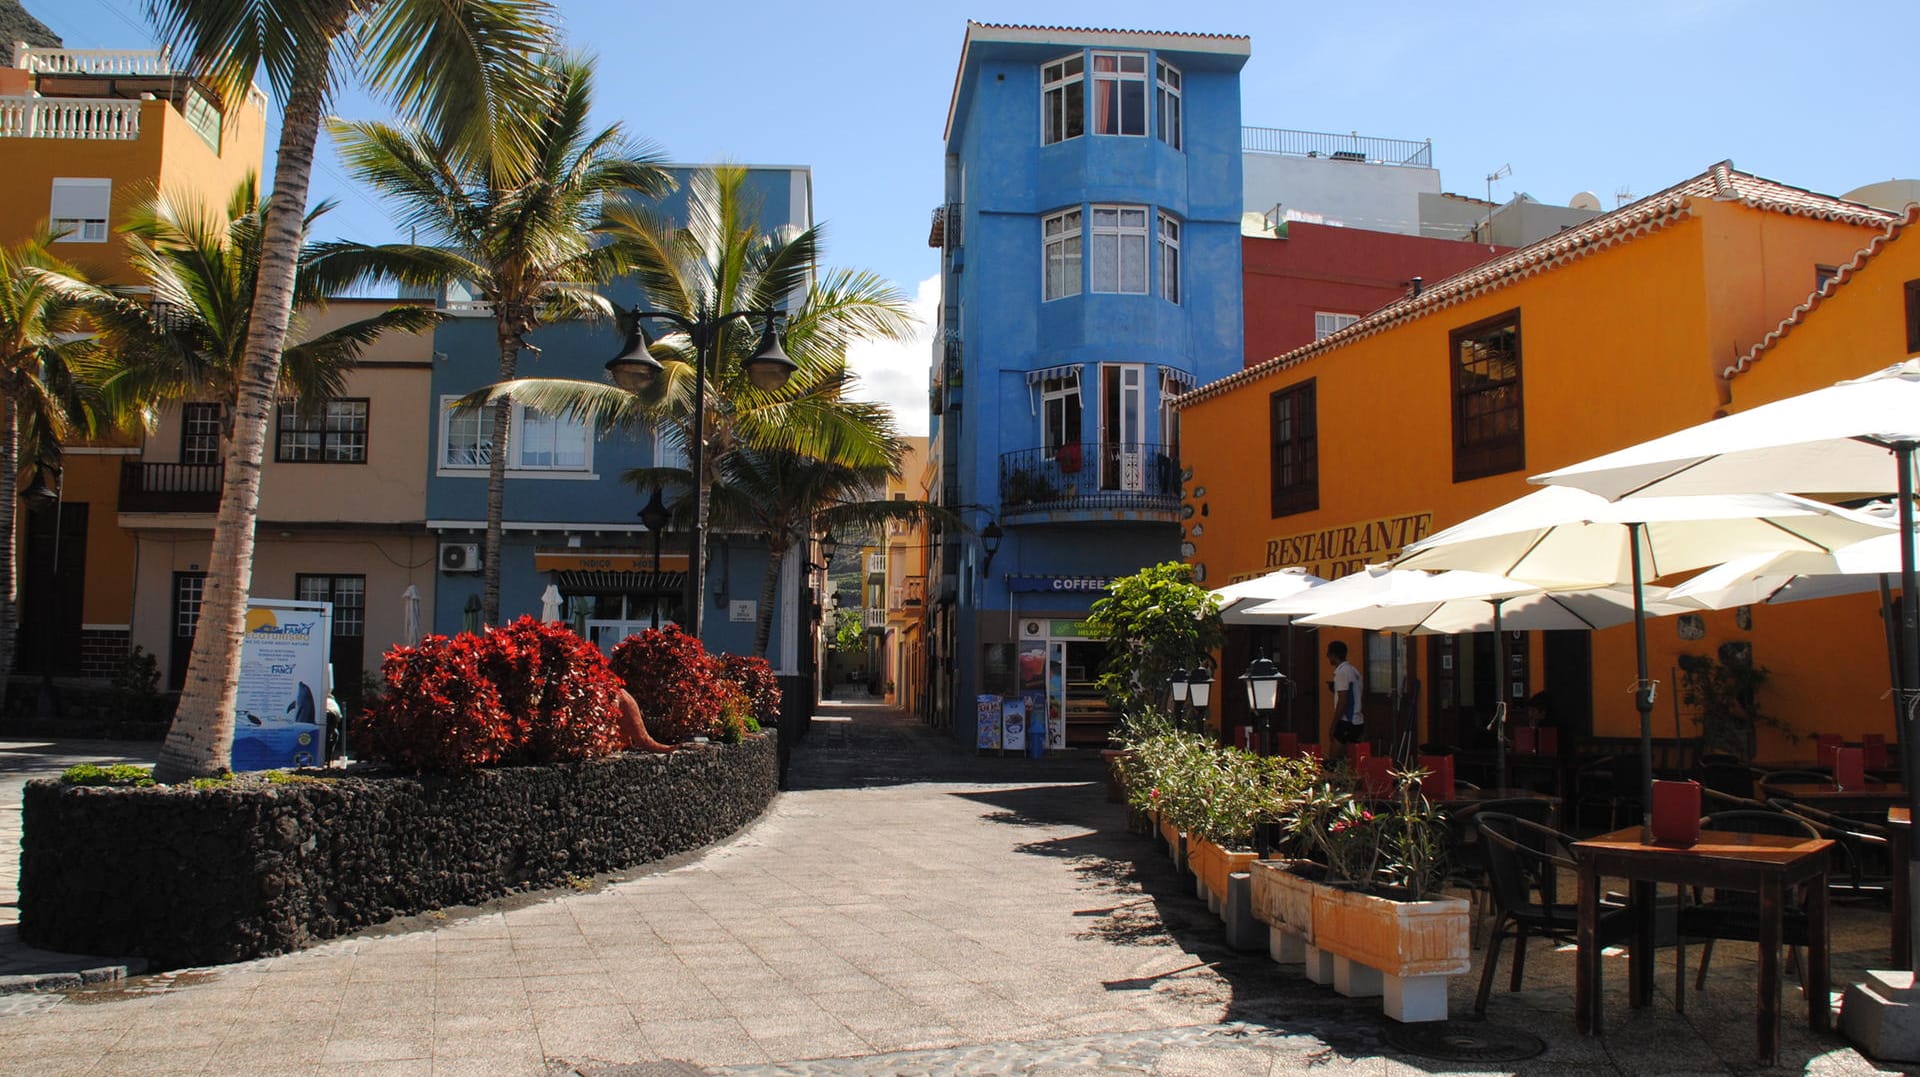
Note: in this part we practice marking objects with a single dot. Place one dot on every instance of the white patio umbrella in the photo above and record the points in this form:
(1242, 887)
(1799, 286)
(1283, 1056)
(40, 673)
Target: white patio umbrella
(1284, 583)
(550, 603)
(410, 614)
(1562, 537)
(1509, 606)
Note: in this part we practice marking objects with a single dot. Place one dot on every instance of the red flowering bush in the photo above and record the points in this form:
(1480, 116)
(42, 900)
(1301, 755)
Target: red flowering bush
(526, 693)
(673, 680)
(439, 711)
(557, 689)
(755, 678)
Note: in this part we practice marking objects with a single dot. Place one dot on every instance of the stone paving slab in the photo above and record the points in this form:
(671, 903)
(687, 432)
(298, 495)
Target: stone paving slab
(908, 908)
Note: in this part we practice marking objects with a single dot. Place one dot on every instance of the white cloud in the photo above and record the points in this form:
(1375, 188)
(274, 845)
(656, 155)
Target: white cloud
(896, 372)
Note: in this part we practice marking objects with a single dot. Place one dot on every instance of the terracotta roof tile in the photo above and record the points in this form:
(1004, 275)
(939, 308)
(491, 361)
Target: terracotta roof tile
(1721, 183)
(1832, 285)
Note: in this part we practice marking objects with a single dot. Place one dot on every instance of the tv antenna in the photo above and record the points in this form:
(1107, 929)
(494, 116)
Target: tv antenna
(1497, 174)
(1622, 196)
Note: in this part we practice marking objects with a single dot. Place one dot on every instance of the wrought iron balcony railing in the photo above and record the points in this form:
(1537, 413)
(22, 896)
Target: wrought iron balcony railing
(169, 487)
(1090, 476)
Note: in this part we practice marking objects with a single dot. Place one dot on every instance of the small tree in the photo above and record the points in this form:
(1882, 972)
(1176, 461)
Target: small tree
(1154, 621)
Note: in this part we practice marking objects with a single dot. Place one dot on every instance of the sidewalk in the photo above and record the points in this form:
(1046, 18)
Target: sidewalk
(909, 908)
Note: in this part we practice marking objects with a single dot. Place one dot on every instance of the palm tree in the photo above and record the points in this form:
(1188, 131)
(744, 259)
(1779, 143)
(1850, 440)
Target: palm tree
(524, 246)
(186, 337)
(43, 340)
(716, 263)
(783, 498)
(458, 65)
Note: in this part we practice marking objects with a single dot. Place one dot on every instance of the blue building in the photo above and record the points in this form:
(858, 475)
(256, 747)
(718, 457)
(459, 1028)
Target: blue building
(572, 524)
(1090, 270)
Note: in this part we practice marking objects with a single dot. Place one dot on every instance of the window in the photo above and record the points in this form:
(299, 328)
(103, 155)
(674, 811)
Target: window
(1120, 249)
(1060, 413)
(1166, 103)
(1488, 435)
(1293, 431)
(1062, 239)
(348, 595)
(188, 590)
(1823, 274)
(80, 208)
(1913, 316)
(336, 436)
(466, 437)
(1063, 105)
(1326, 325)
(203, 116)
(1170, 258)
(543, 442)
(668, 450)
(200, 434)
(1119, 93)
(1386, 653)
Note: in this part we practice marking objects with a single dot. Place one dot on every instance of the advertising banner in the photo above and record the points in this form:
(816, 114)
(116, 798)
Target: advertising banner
(280, 709)
(988, 718)
(1013, 725)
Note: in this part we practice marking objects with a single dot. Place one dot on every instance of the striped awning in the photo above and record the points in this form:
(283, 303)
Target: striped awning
(616, 582)
(1071, 370)
(1177, 380)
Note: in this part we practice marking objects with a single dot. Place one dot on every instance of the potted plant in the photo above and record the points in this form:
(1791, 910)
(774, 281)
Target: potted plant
(1726, 690)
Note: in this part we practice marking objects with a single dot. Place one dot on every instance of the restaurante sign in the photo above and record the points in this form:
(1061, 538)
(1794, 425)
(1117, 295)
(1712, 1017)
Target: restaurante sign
(1345, 549)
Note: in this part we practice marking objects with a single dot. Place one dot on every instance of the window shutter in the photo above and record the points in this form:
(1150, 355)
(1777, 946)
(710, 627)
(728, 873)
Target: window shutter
(81, 199)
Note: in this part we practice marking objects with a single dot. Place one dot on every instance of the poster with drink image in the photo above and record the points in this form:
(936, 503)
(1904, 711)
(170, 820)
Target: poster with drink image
(1013, 725)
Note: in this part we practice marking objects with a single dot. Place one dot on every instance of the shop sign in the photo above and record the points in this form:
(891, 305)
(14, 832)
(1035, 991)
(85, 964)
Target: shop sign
(1070, 630)
(1342, 550)
(605, 561)
(280, 711)
(987, 716)
(1062, 584)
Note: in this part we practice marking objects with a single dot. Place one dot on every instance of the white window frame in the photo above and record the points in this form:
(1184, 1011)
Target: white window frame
(90, 228)
(1061, 242)
(517, 467)
(1058, 86)
(1116, 241)
(665, 452)
(1169, 121)
(1129, 69)
(1168, 239)
(482, 420)
(1058, 392)
(1326, 323)
(520, 440)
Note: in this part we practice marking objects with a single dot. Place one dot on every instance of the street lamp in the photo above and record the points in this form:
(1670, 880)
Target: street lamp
(1262, 679)
(655, 516)
(635, 370)
(1200, 691)
(990, 537)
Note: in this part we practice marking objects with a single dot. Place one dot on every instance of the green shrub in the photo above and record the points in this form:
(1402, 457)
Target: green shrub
(116, 774)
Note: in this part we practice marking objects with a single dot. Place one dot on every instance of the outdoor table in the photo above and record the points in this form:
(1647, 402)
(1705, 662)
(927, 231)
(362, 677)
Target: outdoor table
(1900, 854)
(1874, 797)
(1767, 864)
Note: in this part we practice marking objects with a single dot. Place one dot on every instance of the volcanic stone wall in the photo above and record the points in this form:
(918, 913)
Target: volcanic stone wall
(201, 876)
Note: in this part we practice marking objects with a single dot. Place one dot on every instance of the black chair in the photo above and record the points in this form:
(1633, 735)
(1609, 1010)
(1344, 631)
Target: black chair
(1736, 914)
(1616, 782)
(1523, 862)
(1709, 759)
(1466, 855)
(1719, 802)
(1866, 857)
(1734, 779)
(1796, 777)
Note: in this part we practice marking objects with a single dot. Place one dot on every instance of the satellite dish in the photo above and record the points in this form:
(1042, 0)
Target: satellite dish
(1586, 200)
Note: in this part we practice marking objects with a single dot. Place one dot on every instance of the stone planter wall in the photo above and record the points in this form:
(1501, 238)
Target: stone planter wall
(187, 877)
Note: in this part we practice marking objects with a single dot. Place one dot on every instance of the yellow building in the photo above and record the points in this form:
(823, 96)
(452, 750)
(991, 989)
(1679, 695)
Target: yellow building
(1437, 407)
(86, 134)
(905, 655)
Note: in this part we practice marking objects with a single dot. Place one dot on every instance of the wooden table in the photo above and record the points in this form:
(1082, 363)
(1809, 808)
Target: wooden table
(1900, 856)
(1767, 864)
(1873, 797)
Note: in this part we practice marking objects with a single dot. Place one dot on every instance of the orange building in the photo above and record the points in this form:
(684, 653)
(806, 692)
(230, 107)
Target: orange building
(86, 134)
(905, 646)
(1437, 406)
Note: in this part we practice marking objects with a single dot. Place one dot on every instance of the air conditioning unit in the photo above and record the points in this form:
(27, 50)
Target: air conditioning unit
(459, 557)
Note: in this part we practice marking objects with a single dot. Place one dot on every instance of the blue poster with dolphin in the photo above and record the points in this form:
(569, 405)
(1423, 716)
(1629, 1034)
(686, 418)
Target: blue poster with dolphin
(280, 706)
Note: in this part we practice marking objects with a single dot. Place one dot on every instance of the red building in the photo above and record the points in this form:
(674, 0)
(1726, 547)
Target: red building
(1314, 278)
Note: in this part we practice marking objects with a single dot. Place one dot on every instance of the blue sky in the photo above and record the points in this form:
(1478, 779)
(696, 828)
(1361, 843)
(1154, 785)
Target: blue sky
(1630, 96)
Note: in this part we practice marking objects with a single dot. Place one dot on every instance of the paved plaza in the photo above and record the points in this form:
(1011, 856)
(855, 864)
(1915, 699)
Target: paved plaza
(908, 909)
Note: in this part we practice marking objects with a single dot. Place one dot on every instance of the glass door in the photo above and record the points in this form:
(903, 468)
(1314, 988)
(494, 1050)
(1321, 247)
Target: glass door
(1122, 423)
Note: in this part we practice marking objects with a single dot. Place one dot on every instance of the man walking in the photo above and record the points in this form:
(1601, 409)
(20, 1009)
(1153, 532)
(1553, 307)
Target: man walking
(1349, 725)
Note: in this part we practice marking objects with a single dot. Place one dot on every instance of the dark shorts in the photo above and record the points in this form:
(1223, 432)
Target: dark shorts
(1349, 732)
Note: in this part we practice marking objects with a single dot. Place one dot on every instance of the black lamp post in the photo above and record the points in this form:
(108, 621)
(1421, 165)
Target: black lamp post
(1177, 695)
(654, 515)
(990, 539)
(1200, 692)
(1263, 680)
(635, 370)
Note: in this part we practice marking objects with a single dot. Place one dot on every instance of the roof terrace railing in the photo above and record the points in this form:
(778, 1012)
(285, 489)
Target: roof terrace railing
(94, 61)
(1352, 147)
(89, 118)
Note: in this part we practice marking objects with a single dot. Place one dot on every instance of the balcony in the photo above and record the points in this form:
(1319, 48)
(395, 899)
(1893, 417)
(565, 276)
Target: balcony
(1094, 481)
(84, 118)
(107, 62)
(875, 619)
(914, 593)
(169, 487)
(1354, 147)
(876, 564)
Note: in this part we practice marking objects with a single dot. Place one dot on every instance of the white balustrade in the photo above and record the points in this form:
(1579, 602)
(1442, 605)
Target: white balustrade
(88, 118)
(94, 61)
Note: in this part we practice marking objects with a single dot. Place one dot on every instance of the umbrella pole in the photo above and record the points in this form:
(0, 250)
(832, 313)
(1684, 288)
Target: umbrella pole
(1893, 666)
(1393, 695)
(1499, 699)
(1909, 659)
(1643, 688)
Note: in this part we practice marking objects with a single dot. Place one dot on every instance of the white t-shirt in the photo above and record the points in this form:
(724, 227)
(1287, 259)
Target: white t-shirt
(1347, 679)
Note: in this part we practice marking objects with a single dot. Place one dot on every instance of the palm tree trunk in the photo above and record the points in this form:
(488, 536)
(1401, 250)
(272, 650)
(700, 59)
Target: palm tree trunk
(497, 474)
(769, 590)
(9, 573)
(200, 742)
